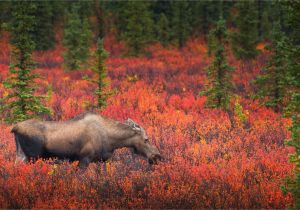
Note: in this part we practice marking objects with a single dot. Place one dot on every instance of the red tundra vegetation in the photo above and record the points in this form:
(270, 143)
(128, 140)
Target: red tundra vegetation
(208, 162)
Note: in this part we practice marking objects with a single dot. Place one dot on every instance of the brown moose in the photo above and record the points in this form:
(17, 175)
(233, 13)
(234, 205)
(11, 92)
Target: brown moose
(87, 138)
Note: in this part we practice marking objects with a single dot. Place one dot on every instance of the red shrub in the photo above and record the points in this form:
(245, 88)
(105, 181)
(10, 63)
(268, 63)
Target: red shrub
(207, 163)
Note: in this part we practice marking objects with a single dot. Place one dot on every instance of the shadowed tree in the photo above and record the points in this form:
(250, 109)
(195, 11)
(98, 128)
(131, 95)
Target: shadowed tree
(180, 24)
(100, 15)
(272, 82)
(138, 31)
(43, 31)
(77, 37)
(293, 110)
(163, 30)
(244, 40)
(292, 183)
(219, 87)
(5, 13)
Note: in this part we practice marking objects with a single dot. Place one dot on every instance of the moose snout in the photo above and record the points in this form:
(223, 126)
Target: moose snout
(155, 158)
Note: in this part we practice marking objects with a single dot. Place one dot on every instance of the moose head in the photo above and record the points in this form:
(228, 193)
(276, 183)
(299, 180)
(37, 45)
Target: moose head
(141, 143)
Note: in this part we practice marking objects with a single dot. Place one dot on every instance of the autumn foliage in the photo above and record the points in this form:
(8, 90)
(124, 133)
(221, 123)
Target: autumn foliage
(208, 163)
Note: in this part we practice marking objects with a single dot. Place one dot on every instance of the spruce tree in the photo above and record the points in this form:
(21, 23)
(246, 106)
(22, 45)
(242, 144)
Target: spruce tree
(163, 30)
(244, 40)
(43, 31)
(293, 183)
(218, 90)
(293, 110)
(100, 15)
(100, 70)
(180, 22)
(77, 37)
(5, 7)
(205, 14)
(138, 28)
(264, 24)
(272, 83)
(22, 102)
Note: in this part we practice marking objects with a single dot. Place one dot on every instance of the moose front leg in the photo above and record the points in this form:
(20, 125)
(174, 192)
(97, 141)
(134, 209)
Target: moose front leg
(84, 162)
(86, 156)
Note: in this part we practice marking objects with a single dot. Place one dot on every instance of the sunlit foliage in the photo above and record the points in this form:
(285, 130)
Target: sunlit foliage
(207, 163)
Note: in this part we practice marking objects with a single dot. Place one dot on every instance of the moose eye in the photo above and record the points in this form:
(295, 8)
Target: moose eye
(146, 140)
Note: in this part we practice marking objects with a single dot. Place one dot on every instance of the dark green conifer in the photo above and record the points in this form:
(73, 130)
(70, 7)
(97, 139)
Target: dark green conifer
(264, 22)
(180, 24)
(138, 29)
(100, 16)
(163, 30)
(218, 90)
(272, 83)
(77, 38)
(205, 14)
(43, 31)
(5, 7)
(245, 38)
(22, 102)
(293, 110)
(292, 183)
(100, 69)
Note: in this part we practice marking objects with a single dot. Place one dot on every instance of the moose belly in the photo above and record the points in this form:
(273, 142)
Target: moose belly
(64, 148)
(103, 156)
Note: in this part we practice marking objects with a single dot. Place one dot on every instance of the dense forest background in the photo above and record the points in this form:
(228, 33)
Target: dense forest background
(140, 23)
(214, 83)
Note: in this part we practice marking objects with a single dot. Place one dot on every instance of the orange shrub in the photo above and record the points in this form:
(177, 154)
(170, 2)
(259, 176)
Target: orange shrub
(207, 163)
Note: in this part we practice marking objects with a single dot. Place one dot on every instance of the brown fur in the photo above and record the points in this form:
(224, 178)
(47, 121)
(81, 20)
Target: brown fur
(87, 137)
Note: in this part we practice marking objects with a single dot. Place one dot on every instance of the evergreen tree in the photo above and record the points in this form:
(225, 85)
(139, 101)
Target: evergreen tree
(84, 8)
(264, 20)
(100, 69)
(180, 22)
(5, 7)
(294, 35)
(272, 83)
(244, 40)
(43, 32)
(58, 9)
(21, 102)
(293, 110)
(205, 14)
(219, 89)
(100, 15)
(293, 183)
(138, 29)
(163, 30)
(77, 37)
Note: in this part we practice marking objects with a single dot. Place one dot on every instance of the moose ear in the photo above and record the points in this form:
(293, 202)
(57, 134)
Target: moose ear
(132, 124)
(136, 128)
(129, 122)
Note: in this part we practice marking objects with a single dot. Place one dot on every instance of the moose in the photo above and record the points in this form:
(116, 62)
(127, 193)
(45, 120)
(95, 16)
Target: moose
(87, 138)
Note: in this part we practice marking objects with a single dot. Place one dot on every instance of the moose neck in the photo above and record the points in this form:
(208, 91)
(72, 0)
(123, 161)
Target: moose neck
(121, 137)
(123, 142)
(120, 134)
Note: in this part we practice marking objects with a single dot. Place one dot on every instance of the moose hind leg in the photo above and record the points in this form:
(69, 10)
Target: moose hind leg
(20, 155)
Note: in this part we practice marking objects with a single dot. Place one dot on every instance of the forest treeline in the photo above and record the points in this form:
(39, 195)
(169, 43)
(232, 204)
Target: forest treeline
(140, 23)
